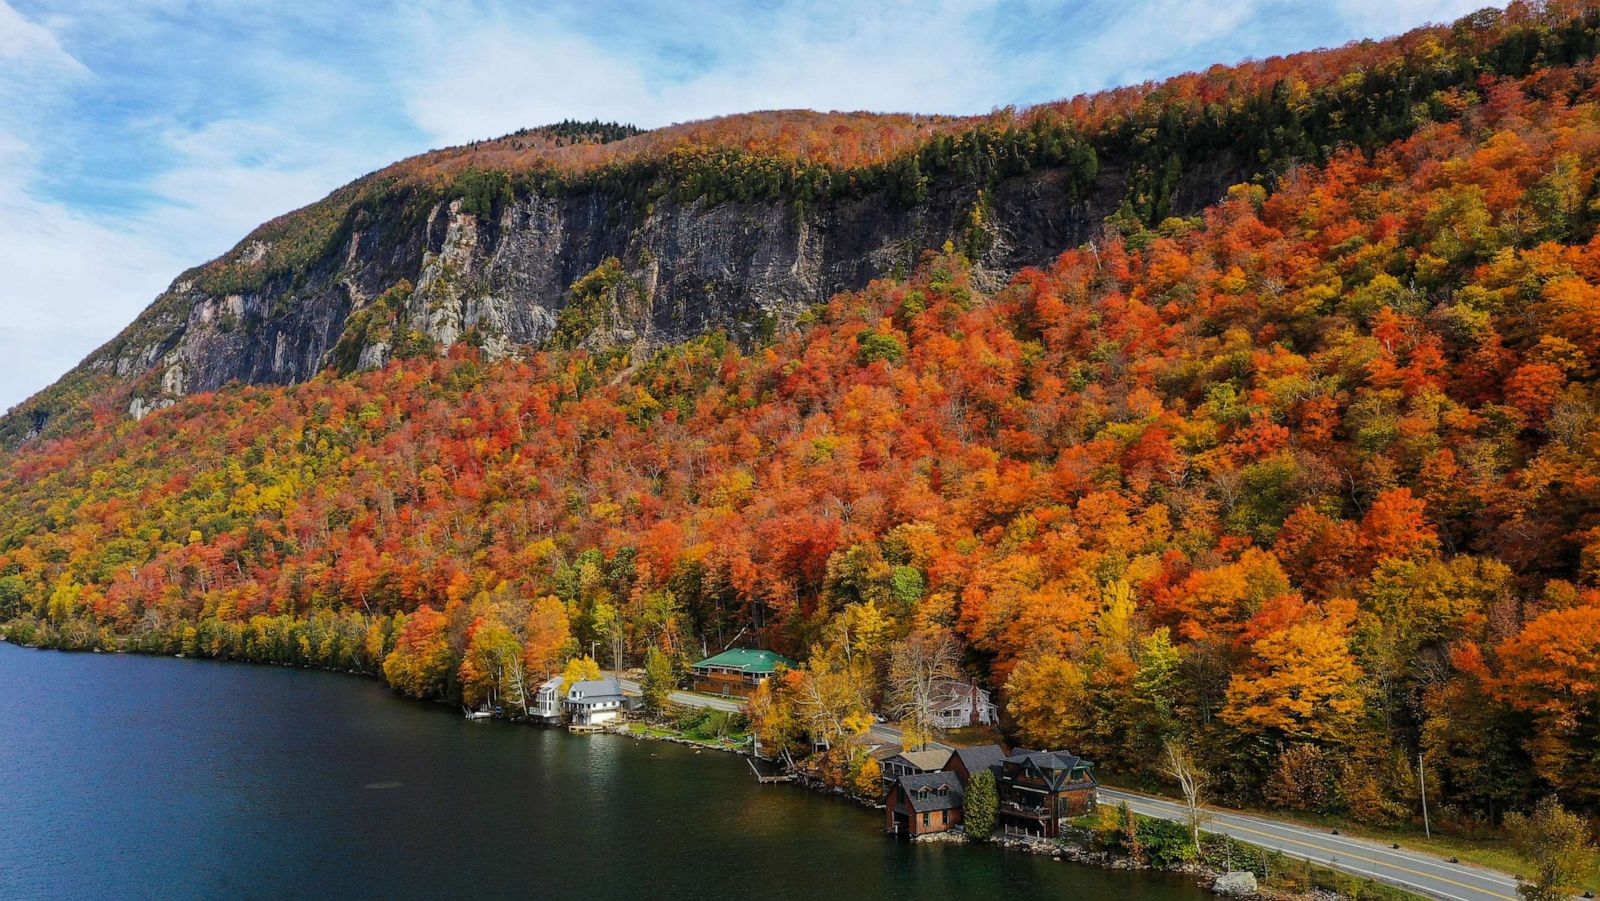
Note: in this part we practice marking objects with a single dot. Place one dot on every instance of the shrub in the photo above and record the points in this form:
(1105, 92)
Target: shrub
(1166, 843)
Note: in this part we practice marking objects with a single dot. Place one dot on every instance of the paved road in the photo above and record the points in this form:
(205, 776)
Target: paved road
(689, 699)
(1412, 870)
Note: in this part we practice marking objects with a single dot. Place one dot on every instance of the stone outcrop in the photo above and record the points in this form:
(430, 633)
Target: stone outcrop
(396, 282)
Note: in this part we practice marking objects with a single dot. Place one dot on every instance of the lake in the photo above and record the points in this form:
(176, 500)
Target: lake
(141, 777)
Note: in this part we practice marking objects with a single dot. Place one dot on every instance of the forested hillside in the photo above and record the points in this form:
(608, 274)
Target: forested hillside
(1310, 481)
(740, 224)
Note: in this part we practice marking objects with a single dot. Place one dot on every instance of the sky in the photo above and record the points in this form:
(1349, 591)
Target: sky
(141, 137)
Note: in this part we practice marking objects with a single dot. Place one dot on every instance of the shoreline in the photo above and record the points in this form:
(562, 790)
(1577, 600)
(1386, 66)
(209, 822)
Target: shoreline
(1061, 849)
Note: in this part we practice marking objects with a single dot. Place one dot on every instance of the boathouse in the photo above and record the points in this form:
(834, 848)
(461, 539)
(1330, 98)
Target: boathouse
(596, 701)
(922, 804)
(736, 672)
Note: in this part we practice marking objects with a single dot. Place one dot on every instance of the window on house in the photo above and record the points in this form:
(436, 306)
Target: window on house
(924, 818)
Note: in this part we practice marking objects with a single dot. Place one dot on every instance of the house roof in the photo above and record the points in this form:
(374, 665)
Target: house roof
(979, 758)
(596, 691)
(884, 752)
(928, 760)
(748, 661)
(922, 791)
(955, 691)
(1049, 760)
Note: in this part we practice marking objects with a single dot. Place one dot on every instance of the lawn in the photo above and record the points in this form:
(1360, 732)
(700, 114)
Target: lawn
(968, 736)
(703, 726)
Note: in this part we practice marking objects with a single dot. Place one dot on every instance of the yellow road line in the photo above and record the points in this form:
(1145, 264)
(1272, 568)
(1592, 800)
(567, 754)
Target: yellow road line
(1372, 860)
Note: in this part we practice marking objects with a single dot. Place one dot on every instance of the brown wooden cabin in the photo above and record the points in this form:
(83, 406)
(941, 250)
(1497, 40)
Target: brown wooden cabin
(911, 763)
(1040, 789)
(922, 804)
(965, 762)
(737, 672)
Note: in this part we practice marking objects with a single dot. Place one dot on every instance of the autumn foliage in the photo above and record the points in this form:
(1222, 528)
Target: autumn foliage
(1311, 480)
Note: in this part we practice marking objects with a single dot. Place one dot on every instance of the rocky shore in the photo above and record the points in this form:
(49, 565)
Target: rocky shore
(1072, 849)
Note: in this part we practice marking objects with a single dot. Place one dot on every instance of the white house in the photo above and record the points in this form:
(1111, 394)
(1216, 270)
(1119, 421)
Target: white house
(596, 701)
(546, 704)
(960, 704)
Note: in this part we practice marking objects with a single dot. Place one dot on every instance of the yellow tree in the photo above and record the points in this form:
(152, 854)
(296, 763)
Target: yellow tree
(487, 667)
(579, 669)
(772, 716)
(830, 698)
(1300, 683)
(1049, 701)
(421, 659)
(548, 633)
(868, 781)
(1557, 843)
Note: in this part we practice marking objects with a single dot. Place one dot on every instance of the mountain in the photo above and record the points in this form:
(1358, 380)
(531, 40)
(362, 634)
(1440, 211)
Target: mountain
(1254, 411)
(598, 235)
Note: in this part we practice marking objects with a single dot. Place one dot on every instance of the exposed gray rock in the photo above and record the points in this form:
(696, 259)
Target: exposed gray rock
(749, 268)
(1236, 885)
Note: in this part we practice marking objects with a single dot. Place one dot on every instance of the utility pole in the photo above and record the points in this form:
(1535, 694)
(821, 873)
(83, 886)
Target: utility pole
(1422, 782)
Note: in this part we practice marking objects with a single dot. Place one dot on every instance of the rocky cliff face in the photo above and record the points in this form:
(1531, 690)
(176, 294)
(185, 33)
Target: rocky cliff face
(503, 281)
(405, 284)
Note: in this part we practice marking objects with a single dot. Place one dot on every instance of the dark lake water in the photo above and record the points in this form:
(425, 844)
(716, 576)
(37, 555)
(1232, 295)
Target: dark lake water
(138, 777)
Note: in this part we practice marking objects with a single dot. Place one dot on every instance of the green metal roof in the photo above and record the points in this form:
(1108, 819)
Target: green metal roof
(748, 661)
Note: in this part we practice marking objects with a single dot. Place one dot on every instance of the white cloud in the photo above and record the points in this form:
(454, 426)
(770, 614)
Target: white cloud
(28, 46)
(69, 282)
(476, 77)
(75, 276)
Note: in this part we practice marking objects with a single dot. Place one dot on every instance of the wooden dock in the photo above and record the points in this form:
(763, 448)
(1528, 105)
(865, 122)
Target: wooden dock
(765, 779)
(585, 729)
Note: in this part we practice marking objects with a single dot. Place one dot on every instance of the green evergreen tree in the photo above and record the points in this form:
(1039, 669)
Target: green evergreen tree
(980, 806)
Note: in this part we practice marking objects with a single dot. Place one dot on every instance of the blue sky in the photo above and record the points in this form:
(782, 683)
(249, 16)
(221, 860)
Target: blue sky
(140, 137)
